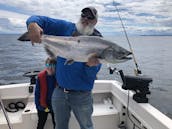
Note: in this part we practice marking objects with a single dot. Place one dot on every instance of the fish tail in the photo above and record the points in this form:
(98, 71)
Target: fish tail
(24, 37)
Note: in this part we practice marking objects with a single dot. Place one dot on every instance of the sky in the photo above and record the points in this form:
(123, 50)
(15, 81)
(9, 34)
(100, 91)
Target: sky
(139, 17)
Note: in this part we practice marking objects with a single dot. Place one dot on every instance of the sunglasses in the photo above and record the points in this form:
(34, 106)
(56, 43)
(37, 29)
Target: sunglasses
(89, 17)
(50, 65)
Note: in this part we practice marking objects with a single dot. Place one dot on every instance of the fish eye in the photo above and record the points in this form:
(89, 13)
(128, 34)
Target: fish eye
(110, 49)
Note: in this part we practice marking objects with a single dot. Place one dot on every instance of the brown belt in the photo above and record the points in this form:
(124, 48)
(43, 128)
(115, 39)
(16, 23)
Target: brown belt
(67, 90)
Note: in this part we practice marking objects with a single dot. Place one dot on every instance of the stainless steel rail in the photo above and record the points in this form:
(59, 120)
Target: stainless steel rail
(5, 113)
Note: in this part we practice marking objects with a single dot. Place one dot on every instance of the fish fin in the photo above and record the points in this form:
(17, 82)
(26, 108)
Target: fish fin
(49, 52)
(69, 62)
(24, 37)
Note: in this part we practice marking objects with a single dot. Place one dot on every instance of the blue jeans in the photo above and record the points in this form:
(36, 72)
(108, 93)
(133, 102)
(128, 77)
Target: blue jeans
(81, 103)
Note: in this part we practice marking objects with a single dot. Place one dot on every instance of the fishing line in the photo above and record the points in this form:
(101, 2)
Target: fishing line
(137, 70)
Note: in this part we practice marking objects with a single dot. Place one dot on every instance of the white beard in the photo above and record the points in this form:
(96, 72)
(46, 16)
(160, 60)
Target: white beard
(88, 30)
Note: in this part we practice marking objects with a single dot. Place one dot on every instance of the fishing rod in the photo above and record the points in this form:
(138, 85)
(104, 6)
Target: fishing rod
(137, 70)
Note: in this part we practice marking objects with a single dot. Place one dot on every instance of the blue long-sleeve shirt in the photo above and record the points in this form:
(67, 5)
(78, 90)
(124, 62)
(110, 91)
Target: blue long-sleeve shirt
(52, 26)
(77, 76)
(51, 85)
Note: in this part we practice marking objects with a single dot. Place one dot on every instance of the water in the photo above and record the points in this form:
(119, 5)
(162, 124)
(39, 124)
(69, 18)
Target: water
(153, 54)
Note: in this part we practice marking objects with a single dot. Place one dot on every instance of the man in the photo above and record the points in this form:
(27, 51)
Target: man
(45, 85)
(75, 80)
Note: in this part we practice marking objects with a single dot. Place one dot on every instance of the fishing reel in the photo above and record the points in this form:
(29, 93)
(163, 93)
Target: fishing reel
(32, 75)
(138, 84)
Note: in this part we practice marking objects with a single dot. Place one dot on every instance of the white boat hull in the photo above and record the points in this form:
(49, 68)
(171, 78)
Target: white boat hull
(110, 109)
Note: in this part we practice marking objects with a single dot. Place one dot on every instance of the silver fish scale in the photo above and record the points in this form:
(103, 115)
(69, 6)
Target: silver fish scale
(81, 47)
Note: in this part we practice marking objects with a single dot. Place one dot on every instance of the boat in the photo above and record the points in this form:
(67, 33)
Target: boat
(115, 107)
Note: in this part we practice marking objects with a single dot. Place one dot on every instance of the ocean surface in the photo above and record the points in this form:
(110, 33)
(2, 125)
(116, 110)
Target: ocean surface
(153, 55)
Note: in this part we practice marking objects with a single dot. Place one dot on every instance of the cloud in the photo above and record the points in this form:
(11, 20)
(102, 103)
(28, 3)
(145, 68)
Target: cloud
(11, 22)
(138, 16)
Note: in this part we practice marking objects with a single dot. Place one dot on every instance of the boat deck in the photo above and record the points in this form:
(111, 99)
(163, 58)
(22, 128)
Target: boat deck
(110, 109)
(106, 113)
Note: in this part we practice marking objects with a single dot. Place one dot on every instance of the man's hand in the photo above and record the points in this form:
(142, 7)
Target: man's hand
(35, 33)
(93, 60)
(47, 110)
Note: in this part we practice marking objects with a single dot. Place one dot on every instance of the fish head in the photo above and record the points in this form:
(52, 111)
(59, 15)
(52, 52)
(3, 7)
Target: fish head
(115, 55)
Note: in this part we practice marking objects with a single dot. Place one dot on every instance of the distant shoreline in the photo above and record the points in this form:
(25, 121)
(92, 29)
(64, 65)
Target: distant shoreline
(105, 35)
(155, 35)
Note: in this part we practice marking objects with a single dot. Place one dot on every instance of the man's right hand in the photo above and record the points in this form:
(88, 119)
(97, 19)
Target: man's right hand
(35, 33)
